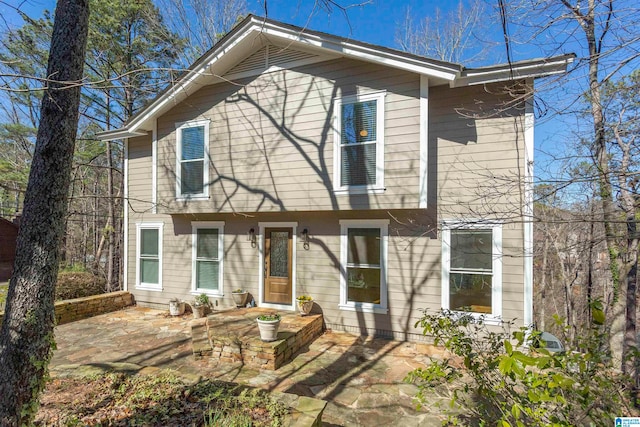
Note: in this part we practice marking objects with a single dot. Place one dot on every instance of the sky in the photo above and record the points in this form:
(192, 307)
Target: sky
(375, 22)
(372, 21)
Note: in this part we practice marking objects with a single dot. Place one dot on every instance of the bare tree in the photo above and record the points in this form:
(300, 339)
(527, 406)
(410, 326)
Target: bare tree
(26, 337)
(201, 23)
(453, 36)
(604, 35)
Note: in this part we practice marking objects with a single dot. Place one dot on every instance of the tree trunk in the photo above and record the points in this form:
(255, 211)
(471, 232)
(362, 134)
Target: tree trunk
(26, 336)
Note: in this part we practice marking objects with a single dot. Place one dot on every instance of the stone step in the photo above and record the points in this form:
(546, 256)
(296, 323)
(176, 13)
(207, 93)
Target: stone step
(233, 336)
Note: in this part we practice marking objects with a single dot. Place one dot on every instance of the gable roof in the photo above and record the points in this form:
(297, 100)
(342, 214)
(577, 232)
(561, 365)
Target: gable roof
(232, 58)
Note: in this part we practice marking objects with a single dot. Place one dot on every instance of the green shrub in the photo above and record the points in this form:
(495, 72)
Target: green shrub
(498, 380)
(78, 284)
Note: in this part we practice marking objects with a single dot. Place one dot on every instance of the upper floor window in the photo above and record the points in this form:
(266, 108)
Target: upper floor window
(359, 143)
(192, 167)
(472, 268)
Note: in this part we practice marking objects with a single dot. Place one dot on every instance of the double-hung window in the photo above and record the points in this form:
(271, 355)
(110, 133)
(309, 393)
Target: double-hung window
(208, 250)
(149, 256)
(192, 166)
(363, 256)
(359, 143)
(472, 268)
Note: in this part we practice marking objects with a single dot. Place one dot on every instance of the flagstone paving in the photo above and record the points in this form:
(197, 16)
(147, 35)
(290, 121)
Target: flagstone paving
(361, 379)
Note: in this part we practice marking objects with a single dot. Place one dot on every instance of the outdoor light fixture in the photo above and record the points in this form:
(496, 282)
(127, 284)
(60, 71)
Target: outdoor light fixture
(305, 239)
(251, 237)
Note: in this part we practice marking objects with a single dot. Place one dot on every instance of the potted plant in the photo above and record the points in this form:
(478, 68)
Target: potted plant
(200, 305)
(239, 297)
(176, 307)
(305, 304)
(268, 325)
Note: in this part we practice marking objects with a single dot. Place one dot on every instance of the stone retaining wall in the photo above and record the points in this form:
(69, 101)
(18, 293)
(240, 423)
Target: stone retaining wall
(233, 336)
(70, 310)
(264, 355)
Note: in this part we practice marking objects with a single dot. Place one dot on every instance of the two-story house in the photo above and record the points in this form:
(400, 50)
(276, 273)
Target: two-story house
(287, 161)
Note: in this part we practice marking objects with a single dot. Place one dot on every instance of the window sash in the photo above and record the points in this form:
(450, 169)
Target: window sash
(149, 270)
(359, 122)
(192, 173)
(207, 274)
(207, 253)
(192, 177)
(149, 255)
(359, 143)
(471, 249)
(472, 269)
(149, 242)
(473, 292)
(363, 283)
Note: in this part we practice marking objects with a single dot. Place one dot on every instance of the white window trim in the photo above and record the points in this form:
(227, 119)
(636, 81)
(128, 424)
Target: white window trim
(378, 188)
(294, 255)
(207, 158)
(383, 226)
(157, 287)
(495, 318)
(201, 225)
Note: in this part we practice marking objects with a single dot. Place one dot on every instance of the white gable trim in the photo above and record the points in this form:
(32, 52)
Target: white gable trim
(518, 70)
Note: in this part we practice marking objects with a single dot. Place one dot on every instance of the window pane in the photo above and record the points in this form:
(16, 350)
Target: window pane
(363, 285)
(149, 242)
(149, 270)
(471, 249)
(207, 274)
(364, 246)
(207, 243)
(470, 292)
(358, 165)
(193, 143)
(191, 178)
(359, 122)
(279, 254)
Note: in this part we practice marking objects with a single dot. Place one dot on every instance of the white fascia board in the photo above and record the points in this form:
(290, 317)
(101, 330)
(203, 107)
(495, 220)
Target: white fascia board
(504, 72)
(122, 133)
(179, 91)
(362, 52)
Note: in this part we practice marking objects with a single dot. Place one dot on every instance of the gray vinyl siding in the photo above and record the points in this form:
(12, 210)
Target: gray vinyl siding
(477, 149)
(275, 164)
(271, 140)
(139, 185)
(413, 274)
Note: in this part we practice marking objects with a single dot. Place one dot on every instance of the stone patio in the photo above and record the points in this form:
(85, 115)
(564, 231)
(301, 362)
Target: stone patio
(360, 378)
(232, 336)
